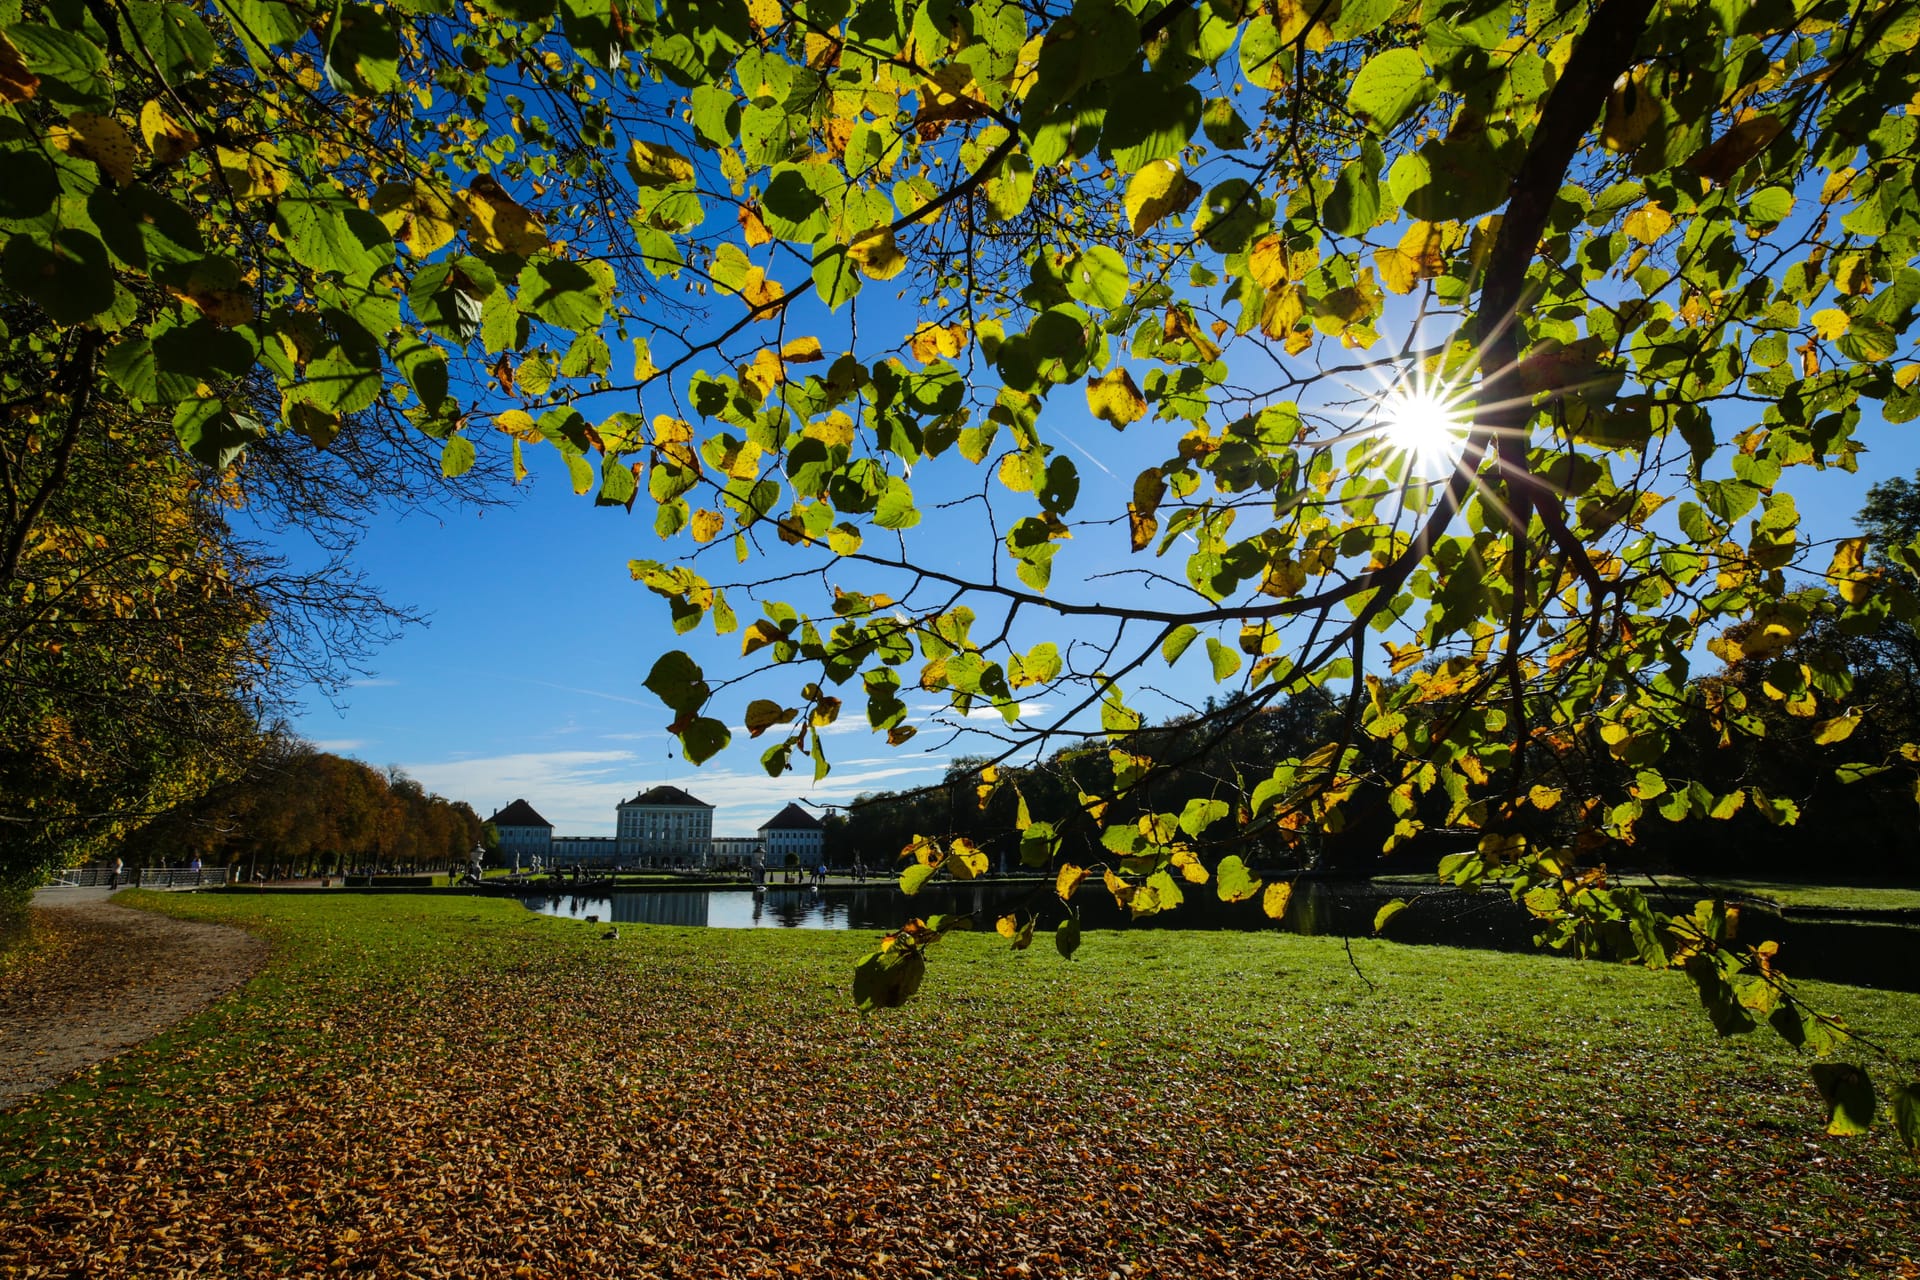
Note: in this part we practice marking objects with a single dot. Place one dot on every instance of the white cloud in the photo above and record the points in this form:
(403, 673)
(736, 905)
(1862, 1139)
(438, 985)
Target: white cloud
(574, 790)
(1028, 711)
(371, 684)
(340, 744)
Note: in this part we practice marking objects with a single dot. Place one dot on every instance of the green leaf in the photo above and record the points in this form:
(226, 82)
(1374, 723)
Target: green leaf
(1224, 127)
(1224, 659)
(456, 457)
(1233, 882)
(1177, 641)
(1388, 87)
(71, 279)
(1388, 912)
(1150, 116)
(363, 54)
(1451, 181)
(705, 738)
(174, 38)
(1199, 814)
(835, 277)
(212, 433)
(887, 979)
(1906, 1116)
(677, 681)
(716, 115)
(915, 876)
(1066, 938)
(70, 66)
(572, 295)
(1098, 277)
(1848, 1093)
(1355, 203)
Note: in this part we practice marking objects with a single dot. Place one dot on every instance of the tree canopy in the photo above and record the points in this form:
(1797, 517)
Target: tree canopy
(1460, 351)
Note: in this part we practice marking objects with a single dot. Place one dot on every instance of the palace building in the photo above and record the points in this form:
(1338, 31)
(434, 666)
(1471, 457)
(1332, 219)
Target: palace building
(661, 827)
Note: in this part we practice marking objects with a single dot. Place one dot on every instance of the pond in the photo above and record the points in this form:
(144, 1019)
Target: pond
(1881, 955)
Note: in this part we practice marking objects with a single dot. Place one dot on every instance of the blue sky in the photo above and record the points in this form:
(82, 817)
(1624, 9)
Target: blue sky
(528, 681)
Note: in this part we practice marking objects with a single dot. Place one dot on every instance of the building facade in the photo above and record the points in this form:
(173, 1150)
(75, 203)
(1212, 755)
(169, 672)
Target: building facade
(794, 834)
(524, 835)
(663, 826)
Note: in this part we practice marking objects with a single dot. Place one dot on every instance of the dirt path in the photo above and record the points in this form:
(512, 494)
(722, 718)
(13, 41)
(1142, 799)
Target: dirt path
(108, 978)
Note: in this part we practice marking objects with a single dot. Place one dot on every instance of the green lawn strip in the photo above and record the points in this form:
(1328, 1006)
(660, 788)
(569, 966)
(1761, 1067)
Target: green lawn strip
(1784, 893)
(398, 1055)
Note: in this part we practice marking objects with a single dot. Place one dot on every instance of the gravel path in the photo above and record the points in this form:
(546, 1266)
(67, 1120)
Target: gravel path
(108, 979)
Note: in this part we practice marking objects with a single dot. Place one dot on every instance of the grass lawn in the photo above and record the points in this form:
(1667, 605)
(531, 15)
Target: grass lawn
(459, 1087)
(1789, 893)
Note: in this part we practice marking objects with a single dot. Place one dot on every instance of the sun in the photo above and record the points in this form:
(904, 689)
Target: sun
(1424, 425)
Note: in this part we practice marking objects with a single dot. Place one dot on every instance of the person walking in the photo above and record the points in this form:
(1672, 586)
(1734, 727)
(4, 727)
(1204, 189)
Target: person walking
(113, 880)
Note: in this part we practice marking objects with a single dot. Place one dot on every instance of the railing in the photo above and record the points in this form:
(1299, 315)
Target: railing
(182, 877)
(144, 877)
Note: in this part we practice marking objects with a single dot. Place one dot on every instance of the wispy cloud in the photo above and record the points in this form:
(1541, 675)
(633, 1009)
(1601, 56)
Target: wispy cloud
(371, 683)
(1028, 710)
(340, 744)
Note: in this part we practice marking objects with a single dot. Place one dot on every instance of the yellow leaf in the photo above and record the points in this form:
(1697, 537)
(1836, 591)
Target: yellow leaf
(937, 341)
(1853, 274)
(1281, 311)
(835, 430)
(1158, 189)
(103, 140)
(1632, 110)
(1267, 263)
(1114, 399)
(707, 525)
(802, 351)
(499, 224)
(752, 228)
(166, 137)
(1274, 900)
(427, 218)
(966, 860)
(767, 370)
(1830, 323)
(1838, 729)
(1122, 891)
(671, 430)
(1848, 558)
(1192, 870)
(766, 14)
(1397, 270)
(876, 254)
(658, 166)
(17, 84)
(1647, 223)
(519, 424)
(1726, 155)
(1006, 926)
(1068, 880)
(1544, 797)
(256, 172)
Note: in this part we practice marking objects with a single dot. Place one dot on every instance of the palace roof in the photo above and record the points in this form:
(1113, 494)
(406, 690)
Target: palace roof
(791, 818)
(665, 796)
(518, 814)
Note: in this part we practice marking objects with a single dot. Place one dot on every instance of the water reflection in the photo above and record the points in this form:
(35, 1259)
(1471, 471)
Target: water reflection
(1877, 955)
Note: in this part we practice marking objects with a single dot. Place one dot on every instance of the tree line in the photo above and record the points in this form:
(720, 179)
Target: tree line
(1789, 769)
(297, 811)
